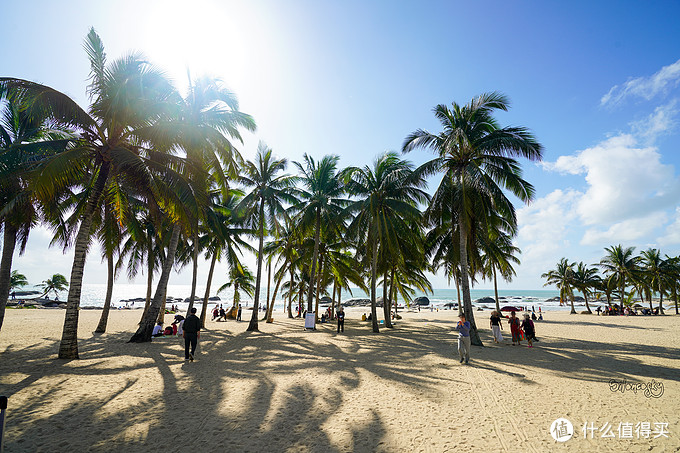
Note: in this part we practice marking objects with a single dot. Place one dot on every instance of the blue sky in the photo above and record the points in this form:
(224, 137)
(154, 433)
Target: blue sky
(597, 82)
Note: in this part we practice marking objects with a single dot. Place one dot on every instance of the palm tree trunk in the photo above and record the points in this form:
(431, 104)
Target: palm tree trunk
(312, 271)
(269, 284)
(8, 245)
(318, 287)
(149, 277)
(392, 288)
(270, 308)
(258, 281)
(660, 300)
(103, 320)
(374, 271)
(300, 300)
(585, 296)
(495, 289)
(386, 304)
(204, 309)
(460, 304)
(465, 282)
(68, 347)
(290, 291)
(335, 290)
(571, 299)
(145, 329)
(194, 278)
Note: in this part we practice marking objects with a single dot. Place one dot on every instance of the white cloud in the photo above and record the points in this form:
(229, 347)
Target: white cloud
(544, 226)
(624, 180)
(672, 233)
(662, 121)
(645, 87)
(625, 231)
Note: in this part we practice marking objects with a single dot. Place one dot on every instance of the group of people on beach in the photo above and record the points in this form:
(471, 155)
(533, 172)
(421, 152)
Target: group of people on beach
(219, 314)
(518, 329)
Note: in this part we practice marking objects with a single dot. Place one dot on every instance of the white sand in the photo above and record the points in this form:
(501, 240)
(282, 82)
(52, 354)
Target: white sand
(284, 389)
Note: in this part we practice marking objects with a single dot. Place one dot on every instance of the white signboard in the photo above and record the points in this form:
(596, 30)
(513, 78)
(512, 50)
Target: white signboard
(310, 321)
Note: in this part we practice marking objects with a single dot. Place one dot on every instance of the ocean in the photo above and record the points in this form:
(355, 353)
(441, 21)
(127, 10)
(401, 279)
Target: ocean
(93, 296)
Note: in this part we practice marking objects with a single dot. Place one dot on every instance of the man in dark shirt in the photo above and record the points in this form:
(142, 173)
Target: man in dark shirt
(341, 319)
(191, 334)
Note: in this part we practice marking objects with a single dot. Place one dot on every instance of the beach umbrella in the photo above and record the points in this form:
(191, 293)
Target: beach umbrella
(510, 308)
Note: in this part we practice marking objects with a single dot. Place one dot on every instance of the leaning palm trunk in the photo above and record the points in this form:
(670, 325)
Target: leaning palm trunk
(204, 309)
(660, 300)
(495, 289)
(258, 281)
(194, 278)
(392, 289)
(465, 283)
(374, 271)
(270, 308)
(318, 289)
(585, 297)
(145, 329)
(387, 310)
(571, 299)
(290, 291)
(335, 289)
(68, 347)
(269, 284)
(315, 256)
(9, 243)
(104, 319)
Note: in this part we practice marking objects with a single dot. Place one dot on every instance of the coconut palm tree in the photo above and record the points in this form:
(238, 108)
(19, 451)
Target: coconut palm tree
(128, 98)
(585, 279)
(499, 256)
(620, 264)
(241, 279)
(655, 270)
(54, 284)
(562, 277)
(17, 280)
(223, 237)
(387, 195)
(26, 137)
(270, 190)
(476, 154)
(319, 203)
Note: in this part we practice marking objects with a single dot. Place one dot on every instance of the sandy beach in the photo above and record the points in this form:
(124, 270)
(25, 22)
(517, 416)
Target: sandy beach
(285, 389)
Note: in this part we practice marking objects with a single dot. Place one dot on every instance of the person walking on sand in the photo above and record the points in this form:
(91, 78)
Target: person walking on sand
(514, 328)
(238, 313)
(191, 327)
(340, 315)
(463, 328)
(529, 331)
(496, 327)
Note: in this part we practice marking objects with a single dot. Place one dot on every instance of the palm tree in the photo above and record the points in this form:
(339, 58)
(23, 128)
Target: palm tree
(585, 279)
(655, 269)
(562, 277)
(25, 139)
(319, 202)
(478, 156)
(17, 280)
(269, 191)
(118, 138)
(241, 279)
(386, 208)
(223, 237)
(620, 264)
(209, 118)
(54, 284)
